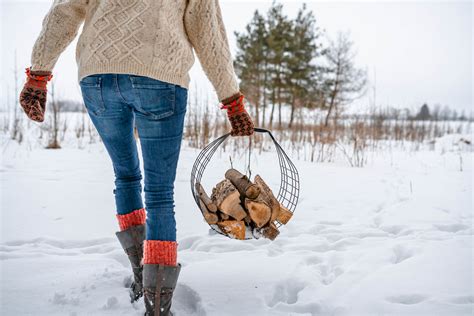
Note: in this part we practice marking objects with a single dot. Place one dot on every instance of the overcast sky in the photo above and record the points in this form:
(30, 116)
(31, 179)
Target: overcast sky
(418, 51)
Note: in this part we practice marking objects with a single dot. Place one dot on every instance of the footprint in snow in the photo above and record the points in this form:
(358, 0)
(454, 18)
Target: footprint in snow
(407, 299)
(329, 273)
(312, 260)
(401, 253)
(394, 229)
(63, 299)
(332, 223)
(451, 228)
(286, 291)
(466, 299)
(377, 221)
(188, 242)
(187, 301)
(112, 303)
(379, 208)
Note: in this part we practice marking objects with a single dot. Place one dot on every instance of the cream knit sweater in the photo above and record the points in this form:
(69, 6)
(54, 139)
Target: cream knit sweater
(153, 38)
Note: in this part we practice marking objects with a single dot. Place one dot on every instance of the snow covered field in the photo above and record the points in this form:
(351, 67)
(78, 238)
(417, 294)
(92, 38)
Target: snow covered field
(393, 238)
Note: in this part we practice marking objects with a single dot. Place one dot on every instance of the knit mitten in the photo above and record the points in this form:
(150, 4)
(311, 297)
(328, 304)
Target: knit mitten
(33, 94)
(242, 124)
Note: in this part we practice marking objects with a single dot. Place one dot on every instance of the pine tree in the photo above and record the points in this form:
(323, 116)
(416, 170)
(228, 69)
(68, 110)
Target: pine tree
(250, 61)
(424, 113)
(279, 41)
(302, 68)
(279, 62)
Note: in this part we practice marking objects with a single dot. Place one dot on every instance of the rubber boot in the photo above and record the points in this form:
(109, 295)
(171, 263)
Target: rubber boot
(159, 283)
(131, 240)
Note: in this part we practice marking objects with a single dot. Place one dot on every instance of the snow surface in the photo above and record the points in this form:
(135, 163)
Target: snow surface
(392, 238)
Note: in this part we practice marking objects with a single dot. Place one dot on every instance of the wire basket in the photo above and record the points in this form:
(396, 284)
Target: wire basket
(288, 192)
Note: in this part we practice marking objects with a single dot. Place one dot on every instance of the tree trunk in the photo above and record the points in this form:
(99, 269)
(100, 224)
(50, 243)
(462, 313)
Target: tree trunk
(279, 102)
(292, 115)
(273, 108)
(331, 105)
(265, 70)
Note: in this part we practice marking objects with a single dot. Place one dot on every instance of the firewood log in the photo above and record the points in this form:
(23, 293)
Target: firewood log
(234, 229)
(270, 231)
(205, 198)
(210, 218)
(247, 219)
(223, 216)
(243, 184)
(259, 210)
(227, 199)
(265, 189)
(284, 215)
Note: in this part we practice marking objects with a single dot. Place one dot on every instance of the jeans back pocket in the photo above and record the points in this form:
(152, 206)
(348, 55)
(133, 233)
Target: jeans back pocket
(156, 98)
(91, 88)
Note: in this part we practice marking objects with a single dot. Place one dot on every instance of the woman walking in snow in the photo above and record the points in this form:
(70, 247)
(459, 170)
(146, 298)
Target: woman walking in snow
(133, 58)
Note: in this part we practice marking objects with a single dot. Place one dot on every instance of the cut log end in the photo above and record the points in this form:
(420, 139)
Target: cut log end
(270, 231)
(285, 215)
(259, 212)
(252, 191)
(234, 229)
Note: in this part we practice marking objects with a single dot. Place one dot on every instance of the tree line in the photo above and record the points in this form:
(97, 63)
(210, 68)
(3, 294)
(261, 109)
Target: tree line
(290, 62)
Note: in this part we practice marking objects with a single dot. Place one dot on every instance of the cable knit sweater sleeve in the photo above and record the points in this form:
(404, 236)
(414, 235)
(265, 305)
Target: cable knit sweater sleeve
(207, 34)
(59, 28)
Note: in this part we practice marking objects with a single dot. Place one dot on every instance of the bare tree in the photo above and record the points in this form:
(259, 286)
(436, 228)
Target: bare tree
(17, 127)
(344, 82)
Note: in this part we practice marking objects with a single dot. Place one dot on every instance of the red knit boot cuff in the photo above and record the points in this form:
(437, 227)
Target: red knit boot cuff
(160, 252)
(137, 217)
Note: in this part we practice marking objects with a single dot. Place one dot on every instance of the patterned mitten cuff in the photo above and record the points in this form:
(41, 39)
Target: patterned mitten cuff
(239, 119)
(38, 78)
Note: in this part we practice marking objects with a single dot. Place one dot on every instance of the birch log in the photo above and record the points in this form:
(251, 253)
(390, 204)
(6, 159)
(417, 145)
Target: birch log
(243, 184)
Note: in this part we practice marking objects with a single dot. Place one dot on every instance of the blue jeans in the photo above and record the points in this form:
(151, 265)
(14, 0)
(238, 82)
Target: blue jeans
(118, 102)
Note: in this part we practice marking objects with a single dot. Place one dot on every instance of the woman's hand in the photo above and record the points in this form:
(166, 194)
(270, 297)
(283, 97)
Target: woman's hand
(242, 124)
(33, 94)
